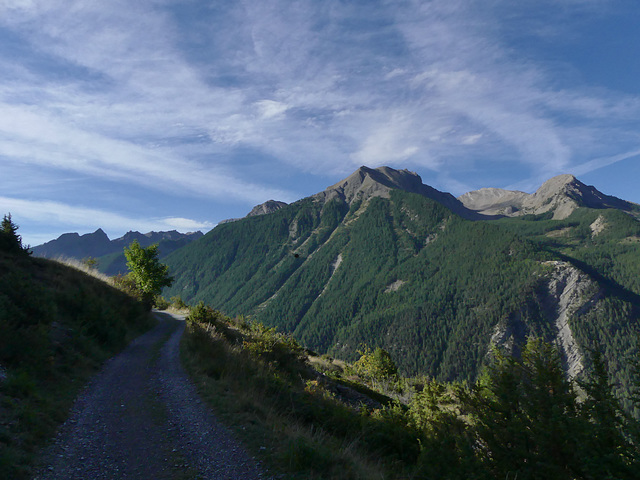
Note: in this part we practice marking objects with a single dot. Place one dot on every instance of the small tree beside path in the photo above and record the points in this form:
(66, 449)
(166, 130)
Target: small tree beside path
(146, 271)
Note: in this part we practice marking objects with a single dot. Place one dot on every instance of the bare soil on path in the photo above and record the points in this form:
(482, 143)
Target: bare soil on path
(141, 418)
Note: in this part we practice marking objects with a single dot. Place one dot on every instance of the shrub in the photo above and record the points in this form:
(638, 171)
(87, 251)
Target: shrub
(126, 284)
(377, 365)
(161, 303)
(273, 346)
(90, 263)
(178, 303)
(202, 313)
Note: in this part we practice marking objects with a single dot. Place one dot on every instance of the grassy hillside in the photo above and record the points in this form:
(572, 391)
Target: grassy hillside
(311, 417)
(57, 325)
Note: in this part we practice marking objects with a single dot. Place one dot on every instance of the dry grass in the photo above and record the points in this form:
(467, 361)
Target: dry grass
(78, 265)
(57, 324)
(286, 417)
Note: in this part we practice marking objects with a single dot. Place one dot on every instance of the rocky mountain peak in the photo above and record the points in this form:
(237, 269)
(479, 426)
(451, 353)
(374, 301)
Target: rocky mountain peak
(493, 201)
(74, 245)
(97, 244)
(149, 238)
(267, 207)
(560, 185)
(561, 195)
(100, 233)
(367, 182)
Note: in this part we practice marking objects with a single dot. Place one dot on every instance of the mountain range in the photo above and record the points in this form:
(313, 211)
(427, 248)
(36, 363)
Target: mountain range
(380, 259)
(109, 253)
(561, 195)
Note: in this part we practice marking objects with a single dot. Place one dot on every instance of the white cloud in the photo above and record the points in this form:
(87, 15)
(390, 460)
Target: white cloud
(309, 86)
(599, 163)
(271, 108)
(71, 216)
(33, 138)
(390, 142)
(471, 139)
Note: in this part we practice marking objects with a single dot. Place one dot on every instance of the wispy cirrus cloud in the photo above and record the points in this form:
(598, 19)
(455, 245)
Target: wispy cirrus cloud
(226, 101)
(65, 217)
(300, 78)
(32, 138)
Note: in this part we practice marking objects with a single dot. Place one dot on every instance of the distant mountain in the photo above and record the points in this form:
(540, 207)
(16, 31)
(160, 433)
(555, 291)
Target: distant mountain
(109, 253)
(561, 195)
(77, 246)
(265, 208)
(381, 259)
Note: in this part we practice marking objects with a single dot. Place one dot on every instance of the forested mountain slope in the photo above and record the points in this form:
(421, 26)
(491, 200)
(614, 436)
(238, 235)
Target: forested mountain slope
(379, 260)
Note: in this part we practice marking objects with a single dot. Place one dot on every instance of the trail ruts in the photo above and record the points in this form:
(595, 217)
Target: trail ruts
(141, 418)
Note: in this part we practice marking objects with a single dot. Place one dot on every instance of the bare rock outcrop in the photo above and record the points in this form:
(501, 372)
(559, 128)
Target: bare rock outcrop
(568, 292)
(565, 293)
(561, 195)
(267, 207)
(598, 226)
(367, 182)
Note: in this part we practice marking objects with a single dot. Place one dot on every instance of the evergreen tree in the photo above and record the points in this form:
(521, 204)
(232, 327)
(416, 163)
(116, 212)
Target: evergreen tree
(10, 241)
(606, 453)
(526, 416)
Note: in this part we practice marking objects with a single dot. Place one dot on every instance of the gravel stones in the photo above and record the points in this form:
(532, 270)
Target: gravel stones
(141, 418)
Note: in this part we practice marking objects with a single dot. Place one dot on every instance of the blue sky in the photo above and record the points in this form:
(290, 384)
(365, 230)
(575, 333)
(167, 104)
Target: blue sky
(160, 114)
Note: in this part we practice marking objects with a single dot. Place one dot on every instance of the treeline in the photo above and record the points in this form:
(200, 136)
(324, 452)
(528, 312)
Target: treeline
(522, 418)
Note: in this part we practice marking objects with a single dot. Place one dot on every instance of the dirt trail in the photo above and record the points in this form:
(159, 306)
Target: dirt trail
(140, 418)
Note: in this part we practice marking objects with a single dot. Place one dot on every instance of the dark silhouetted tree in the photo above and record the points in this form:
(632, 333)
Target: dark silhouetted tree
(10, 241)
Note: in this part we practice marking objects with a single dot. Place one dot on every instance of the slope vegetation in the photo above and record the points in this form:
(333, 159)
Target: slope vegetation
(402, 272)
(378, 259)
(57, 324)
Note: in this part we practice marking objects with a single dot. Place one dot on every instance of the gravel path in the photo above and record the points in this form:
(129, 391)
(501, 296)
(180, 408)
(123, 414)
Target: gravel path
(141, 418)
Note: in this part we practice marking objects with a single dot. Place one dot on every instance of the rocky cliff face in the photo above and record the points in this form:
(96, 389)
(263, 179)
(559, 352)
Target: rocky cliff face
(560, 195)
(367, 182)
(565, 292)
(568, 292)
(267, 207)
